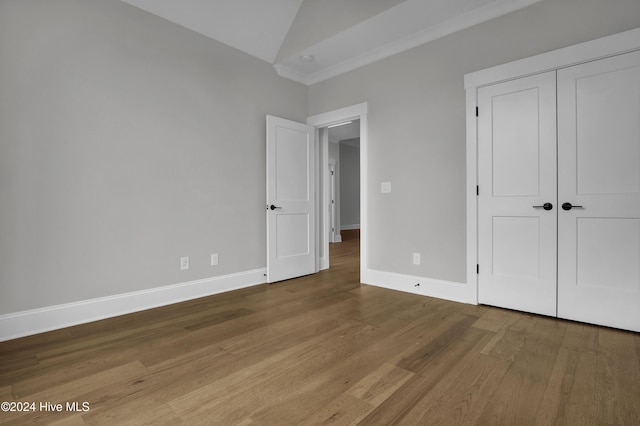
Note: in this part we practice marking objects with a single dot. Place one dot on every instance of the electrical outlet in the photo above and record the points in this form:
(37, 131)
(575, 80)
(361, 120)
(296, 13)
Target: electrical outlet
(416, 258)
(184, 263)
(385, 187)
(214, 259)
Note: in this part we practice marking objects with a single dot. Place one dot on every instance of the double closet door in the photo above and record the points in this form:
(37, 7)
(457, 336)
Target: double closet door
(559, 193)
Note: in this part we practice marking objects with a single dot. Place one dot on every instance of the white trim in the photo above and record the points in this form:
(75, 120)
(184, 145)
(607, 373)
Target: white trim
(292, 74)
(449, 290)
(331, 187)
(599, 48)
(472, 199)
(339, 124)
(36, 321)
(317, 172)
(358, 111)
(608, 46)
(323, 141)
(484, 13)
(327, 118)
(349, 227)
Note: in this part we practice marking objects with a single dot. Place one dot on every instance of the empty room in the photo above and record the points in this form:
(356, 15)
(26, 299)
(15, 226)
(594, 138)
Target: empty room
(351, 212)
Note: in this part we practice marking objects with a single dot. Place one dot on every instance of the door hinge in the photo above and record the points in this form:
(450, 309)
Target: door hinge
(477, 112)
(477, 268)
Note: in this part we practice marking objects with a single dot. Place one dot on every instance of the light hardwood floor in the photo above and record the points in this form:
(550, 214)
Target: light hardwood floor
(324, 349)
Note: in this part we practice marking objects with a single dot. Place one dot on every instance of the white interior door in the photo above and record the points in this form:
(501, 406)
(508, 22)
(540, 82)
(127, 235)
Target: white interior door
(599, 163)
(517, 173)
(291, 247)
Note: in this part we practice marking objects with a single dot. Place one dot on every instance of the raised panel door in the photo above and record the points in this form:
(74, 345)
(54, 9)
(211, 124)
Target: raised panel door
(517, 176)
(599, 163)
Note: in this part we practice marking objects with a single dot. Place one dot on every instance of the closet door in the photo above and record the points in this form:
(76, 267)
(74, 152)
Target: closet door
(599, 165)
(517, 177)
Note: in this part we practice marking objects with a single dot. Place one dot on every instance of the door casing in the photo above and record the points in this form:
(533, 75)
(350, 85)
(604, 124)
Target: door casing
(332, 203)
(319, 121)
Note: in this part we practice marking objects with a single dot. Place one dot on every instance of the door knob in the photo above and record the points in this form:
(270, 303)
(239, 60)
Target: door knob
(274, 207)
(546, 206)
(569, 206)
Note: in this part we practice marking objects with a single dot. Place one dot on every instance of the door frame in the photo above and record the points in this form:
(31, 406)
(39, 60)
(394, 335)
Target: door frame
(600, 48)
(319, 121)
(333, 212)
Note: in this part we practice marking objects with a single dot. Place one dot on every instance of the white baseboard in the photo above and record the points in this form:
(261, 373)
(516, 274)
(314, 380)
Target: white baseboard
(349, 227)
(449, 290)
(36, 321)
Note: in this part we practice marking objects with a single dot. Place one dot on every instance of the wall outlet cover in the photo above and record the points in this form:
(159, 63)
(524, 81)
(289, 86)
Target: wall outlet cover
(184, 263)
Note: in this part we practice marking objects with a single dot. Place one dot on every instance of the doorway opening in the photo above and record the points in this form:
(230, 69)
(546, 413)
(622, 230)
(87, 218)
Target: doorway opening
(344, 182)
(323, 124)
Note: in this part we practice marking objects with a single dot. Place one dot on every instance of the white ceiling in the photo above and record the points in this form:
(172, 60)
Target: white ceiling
(340, 35)
(257, 27)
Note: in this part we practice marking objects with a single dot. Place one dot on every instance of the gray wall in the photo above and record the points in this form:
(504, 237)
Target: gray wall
(417, 125)
(126, 142)
(349, 185)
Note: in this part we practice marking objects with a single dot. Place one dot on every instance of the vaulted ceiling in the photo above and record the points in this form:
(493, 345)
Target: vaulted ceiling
(312, 40)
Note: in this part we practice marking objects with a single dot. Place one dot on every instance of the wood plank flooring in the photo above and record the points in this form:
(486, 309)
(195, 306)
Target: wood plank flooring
(324, 349)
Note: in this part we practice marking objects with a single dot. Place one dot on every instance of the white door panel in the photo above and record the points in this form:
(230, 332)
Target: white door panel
(599, 163)
(517, 171)
(291, 165)
(515, 143)
(607, 124)
(516, 247)
(288, 225)
(608, 250)
(290, 199)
